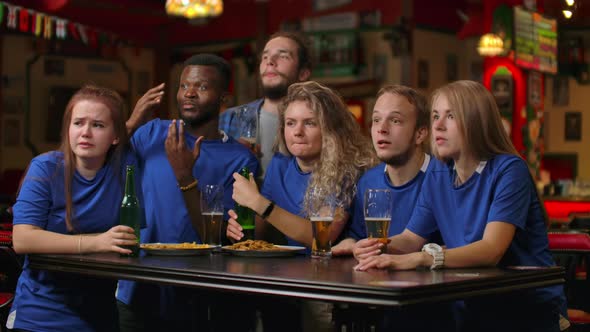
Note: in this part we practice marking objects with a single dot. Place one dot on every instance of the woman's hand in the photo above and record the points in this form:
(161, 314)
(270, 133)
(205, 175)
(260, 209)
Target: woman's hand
(246, 192)
(367, 247)
(234, 230)
(181, 159)
(109, 241)
(395, 262)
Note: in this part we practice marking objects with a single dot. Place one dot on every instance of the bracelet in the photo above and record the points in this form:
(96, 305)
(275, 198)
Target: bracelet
(268, 210)
(188, 186)
(80, 244)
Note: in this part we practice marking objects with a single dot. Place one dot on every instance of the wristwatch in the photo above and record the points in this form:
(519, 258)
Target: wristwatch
(437, 254)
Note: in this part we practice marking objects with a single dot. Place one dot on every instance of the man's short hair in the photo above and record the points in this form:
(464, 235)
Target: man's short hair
(206, 59)
(303, 47)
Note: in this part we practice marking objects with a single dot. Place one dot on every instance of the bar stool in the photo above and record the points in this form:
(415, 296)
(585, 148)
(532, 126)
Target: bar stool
(572, 251)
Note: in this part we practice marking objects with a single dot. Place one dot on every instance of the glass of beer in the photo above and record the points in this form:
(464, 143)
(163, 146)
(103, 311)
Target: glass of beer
(212, 213)
(248, 124)
(323, 206)
(377, 210)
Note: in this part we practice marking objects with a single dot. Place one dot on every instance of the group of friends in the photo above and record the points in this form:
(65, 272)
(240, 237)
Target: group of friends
(461, 195)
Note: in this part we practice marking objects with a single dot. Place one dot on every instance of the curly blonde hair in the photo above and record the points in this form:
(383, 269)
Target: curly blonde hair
(346, 153)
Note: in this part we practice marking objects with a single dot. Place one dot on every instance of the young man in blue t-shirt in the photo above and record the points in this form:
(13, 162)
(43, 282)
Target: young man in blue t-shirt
(174, 165)
(399, 130)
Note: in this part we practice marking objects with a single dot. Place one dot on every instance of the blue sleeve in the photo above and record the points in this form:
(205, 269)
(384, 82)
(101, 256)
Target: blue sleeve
(422, 222)
(512, 194)
(357, 229)
(35, 198)
(142, 136)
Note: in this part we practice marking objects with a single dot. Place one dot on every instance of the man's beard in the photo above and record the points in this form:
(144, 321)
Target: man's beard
(400, 159)
(275, 92)
(202, 118)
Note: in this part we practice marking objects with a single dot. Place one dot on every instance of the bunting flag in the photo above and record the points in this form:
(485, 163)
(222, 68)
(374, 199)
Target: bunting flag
(60, 28)
(11, 16)
(37, 24)
(47, 31)
(41, 24)
(23, 19)
(92, 38)
(83, 35)
(73, 30)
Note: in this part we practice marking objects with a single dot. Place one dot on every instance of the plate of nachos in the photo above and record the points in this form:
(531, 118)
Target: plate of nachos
(177, 249)
(260, 248)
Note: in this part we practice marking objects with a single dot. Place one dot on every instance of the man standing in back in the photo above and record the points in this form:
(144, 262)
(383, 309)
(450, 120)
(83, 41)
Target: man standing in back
(286, 59)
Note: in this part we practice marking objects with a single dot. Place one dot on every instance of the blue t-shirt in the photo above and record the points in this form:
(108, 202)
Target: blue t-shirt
(285, 184)
(50, 301)
(500, 189)
(404, 198)
(167, 219)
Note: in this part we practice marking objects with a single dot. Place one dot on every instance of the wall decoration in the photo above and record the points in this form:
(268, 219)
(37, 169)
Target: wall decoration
(452, 68)
(423, 74)
(561, 91)
(534, 86)
(573, 126)
(319, 5)
(12, 132)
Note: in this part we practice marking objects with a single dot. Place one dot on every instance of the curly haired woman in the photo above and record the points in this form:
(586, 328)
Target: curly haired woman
(320, 146)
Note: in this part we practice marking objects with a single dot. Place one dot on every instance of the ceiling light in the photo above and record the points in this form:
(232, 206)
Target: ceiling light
(570, 2)
(194, 8)
(567, 13)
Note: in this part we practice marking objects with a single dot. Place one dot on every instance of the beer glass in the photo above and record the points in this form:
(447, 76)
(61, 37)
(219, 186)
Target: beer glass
(377, 209)
(322, 208)
(248, 124)
(212, 213)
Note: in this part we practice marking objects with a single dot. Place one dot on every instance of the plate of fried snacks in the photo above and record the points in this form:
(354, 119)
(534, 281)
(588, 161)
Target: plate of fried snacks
(177, 249)
(260, 248)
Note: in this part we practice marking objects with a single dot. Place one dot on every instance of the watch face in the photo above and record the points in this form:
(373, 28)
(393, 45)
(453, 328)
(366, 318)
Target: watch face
(433, 247)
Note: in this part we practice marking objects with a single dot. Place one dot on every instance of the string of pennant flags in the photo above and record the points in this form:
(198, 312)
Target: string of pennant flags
(50, 27)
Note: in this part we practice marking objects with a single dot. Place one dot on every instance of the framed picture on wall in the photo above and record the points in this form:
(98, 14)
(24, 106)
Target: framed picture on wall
(573, 126)
(423, 74)
(561, 91)
(452, 68)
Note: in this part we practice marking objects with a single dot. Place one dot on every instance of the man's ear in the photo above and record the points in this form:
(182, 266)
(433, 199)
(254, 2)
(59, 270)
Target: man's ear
(304, 74)
(421, 135)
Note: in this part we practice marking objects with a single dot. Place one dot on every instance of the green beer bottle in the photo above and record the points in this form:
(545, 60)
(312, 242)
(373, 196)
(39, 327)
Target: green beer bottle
(246, 215)
(130, 212)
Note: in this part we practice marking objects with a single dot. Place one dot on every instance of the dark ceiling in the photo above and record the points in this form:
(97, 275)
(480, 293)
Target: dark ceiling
(145, 21)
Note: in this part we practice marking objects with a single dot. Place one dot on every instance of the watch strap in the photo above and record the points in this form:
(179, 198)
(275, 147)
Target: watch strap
(268, 210)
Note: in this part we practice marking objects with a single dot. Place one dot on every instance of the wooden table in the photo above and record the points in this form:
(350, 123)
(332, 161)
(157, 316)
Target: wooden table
(332, 280)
